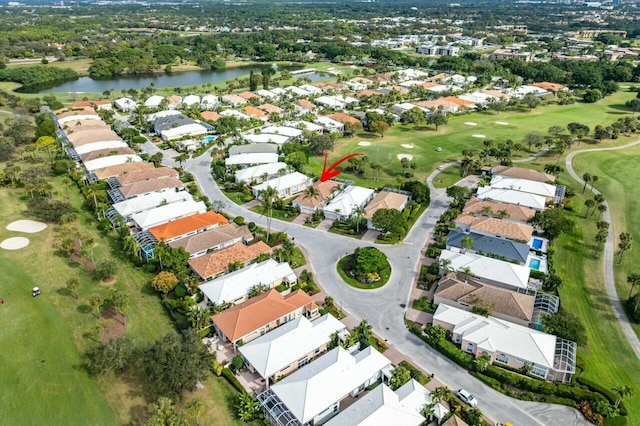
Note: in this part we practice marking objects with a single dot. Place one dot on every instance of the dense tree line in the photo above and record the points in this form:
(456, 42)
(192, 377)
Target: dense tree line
(36, 75)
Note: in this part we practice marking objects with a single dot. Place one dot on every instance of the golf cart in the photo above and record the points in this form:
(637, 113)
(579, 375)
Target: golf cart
(35, 292)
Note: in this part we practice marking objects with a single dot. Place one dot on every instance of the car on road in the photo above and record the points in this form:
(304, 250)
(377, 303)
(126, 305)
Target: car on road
(466, 397)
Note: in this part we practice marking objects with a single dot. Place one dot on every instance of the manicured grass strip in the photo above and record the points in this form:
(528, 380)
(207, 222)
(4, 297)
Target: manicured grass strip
(342, 270)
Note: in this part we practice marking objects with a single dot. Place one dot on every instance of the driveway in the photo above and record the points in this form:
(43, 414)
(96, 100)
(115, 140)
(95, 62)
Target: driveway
(385, 307)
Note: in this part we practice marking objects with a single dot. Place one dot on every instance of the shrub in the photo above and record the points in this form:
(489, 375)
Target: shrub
(227, 374)
(238, 220)
(180, 291)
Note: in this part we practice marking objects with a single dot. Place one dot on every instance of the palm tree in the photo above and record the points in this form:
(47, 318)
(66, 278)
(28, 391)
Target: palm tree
(131, 246)
(358, 212)
(622, 392)
(588, 203)
(375, 169)
(601, 208)
(634, 280)
(482, 362)
(624, 244)
(467, 242)
(586, 178)
(195, 408)
(487, 210)
(96, 302)
(502, 214)
(310, 193)
(268, 196)
(441, 393)
(364, 330)
(594, 179)
(428, 410)
(446, 265)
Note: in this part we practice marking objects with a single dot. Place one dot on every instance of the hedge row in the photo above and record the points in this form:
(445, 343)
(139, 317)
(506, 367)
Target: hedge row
(233, 380)
(610, 395)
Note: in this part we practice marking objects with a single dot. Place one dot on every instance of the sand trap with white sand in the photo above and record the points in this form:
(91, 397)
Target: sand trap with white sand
(364, 143)
(502, 123)
(14, 243)
(470, 123)
(407, 156)
(479, 136)
(27, 226)
(408, 145)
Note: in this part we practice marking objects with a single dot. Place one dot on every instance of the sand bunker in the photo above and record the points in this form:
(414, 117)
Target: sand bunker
(471, 123)
(364, 143)
(407, 156)
(502, 123)
(408, 145)
(26, 226)
(14, 243)
(479, 136)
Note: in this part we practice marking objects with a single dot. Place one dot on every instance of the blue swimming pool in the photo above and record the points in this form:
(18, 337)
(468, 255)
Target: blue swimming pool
(537, 244)
(208, 139)
(534, 264)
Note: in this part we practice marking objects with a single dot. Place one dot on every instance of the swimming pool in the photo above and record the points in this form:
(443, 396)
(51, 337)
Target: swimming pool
(537, 244)
(534, 264)
(208, 139)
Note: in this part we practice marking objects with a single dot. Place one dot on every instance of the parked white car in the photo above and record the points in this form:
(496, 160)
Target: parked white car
(466, 397)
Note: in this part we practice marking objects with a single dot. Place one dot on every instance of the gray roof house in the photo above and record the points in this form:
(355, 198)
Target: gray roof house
(507, 249)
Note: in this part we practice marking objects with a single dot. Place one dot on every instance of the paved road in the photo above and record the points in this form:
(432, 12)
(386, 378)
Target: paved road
(609, 251)
(384, 308)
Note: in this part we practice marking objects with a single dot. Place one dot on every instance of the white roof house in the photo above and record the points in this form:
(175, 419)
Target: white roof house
(111, 160)
(522, 91)
(125, 104)
(345, 202)
(191, 100)
(511, 196)
(493, 270)
(478, 98)
(285, 185)
(266, 138)
(209, 102)
(96, 146)
(297, 92)
(234, 113)
(251, 158)
(279, 91)
(166, 213)
(256, 173)
(79, 117)
(160, 114)
(291, 132)
(267, 94)
(236, 285)
(149, 201)
(382, 406)
(330, 124)
(411, 73)
(288, 343)
(192, 129)
(444, 88)
(524, 185)
(153, 101)
(313, 393)
(330, 102)
(309, 127)
(495, 335)
(311, 89)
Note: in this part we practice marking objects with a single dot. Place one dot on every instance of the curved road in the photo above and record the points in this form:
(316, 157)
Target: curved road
(609, 251)
(385, 307)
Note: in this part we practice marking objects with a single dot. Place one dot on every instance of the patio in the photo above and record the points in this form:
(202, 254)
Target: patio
(223, 351)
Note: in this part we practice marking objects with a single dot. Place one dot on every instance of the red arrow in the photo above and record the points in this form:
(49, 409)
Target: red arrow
(330, 172)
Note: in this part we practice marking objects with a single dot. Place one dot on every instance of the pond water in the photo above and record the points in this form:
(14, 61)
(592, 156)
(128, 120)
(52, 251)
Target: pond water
(181, 79)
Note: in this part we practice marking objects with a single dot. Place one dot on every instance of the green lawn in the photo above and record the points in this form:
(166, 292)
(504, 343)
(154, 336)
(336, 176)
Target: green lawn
(277, 214)
(456, 136)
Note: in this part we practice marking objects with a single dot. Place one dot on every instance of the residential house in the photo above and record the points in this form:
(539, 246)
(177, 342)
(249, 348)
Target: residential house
(145, 187)
(100, 147)
(111, 160)
(210, 116)
(494, 227)
(266, 138)
(235, 286)
(310, 205)
(272, 109)
(251, 158)
(233, 100)
(454, 421)
(191, 100)
(98, 105)
(100, 153)
(164, 113)
(213, 239)
(216, 263)
(166, 213)
(510, 344)
(92, 136)
(261, 172)
(444, 106)
(535, 202)
(523, 185)
(476, 206)
(467, 293)
(173, 101)
(522, 173)
(268, 94)
(254, 112)
(153, 101)
(248, 96)
(253, 148)
(522, 91)
(493, 271)
(345, 203)
(150, 201)
(384, 200)
(500, 248)
(314, 393)
(142, 175)
(313, 90)
(345, 119)
(209, 102)
(332, 102)
(120, 169)
(329, 124)
(382, 406)
(304, 106)
(187, 226)
(125, 104)
(257, 316)
(234, 113)
(305, 126)
(177, 127)
(297, 92)
(290, 132)
(551, 87)
(285, 185)
(64, 115)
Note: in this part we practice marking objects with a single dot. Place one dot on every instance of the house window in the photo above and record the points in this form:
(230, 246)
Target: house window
(457, 338)
(502, 358)
(539, 371)
(469, 347)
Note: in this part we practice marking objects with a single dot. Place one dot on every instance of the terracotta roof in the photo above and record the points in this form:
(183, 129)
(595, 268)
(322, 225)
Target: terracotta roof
(253, 314)
(150, 185)
(330, 85)
(495, 94)
(80, 125)
(112, 171)
(212, 264)
(344, 118)
(429, 85)
(458, 101)
(66, 112)
(248, 95)
(387, 76)
(367, 92)
(498, 227)
(148, 173)
(400, 89)
(439, 77)
(384, 200)
(210, 115)
(254, 112)
(437, 104)
(271, 109)
(522, 173)
(325, 189)
(187, 224)
(475, 206)
(174, 99)
(455, 421)
(306, 104)
(84, 104)
(92, 155)
(503, 301)
(213, 237)
(84, 138)
(552, 87)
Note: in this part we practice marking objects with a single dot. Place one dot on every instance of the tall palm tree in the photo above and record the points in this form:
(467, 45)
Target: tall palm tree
(589, 203)
(634, 280)
(622, 392)
(586, 178)
(441, 393)
(467, 242)
(601, 208)
(594, 180)
(624, 244)
(268, 196)
(358, 212)
(310, 193)
(195, 408)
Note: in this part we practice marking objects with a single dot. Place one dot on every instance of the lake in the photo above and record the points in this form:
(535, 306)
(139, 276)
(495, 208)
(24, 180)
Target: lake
(181, 79)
